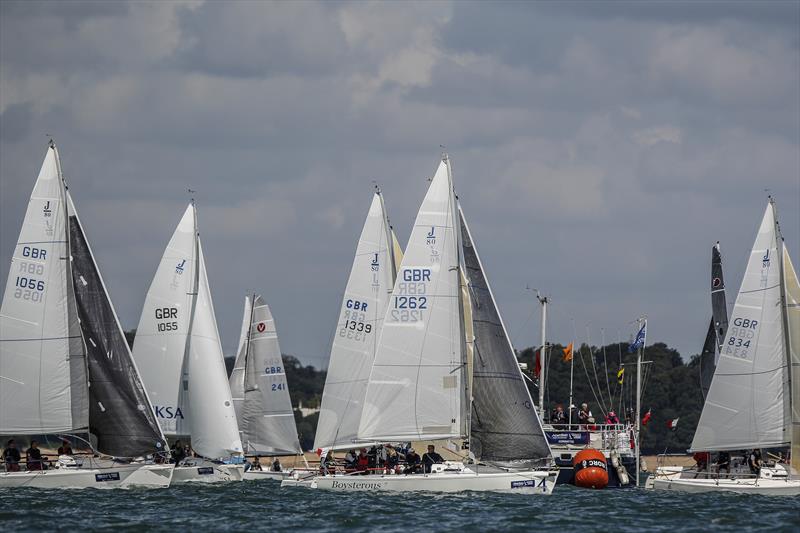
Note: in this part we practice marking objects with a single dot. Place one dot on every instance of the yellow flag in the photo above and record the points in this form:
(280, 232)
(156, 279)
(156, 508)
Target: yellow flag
(621, 376)
(567, 354)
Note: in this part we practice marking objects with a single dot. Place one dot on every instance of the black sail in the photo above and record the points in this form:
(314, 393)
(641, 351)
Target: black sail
(718, 303)
(504, 427)
(120, 415)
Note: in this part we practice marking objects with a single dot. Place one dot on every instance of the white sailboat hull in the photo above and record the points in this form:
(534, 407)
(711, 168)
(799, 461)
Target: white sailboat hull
(258, 475)
(530, 482)
(669, 478)
(207, 472)
(117, 477)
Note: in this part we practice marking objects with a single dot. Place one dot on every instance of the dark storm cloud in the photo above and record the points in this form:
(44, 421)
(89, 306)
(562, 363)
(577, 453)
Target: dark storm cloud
(599, 148)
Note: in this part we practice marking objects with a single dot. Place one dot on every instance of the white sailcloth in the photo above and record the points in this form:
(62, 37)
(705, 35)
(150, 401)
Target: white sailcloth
(215, 433)
(747, 403)
(160, 343)
(416, 389)
(266, 417)
(362, 312)
(43, 380)
(236, 381)
(792, 301)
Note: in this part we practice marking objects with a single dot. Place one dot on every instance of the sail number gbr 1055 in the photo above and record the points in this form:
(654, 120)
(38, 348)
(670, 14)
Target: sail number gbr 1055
(410, 301)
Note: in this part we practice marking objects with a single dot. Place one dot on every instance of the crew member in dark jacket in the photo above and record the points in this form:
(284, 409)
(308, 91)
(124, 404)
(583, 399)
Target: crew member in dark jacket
(11, 456)
(430, 458)
(33, 456)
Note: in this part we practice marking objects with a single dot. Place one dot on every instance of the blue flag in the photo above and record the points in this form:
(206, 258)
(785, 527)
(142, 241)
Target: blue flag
(639, 342)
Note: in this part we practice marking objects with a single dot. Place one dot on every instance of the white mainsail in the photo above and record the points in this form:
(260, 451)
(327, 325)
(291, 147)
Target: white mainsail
(43, 377)
(236, 381)
(792, 302)
(748, 401)
(266, 417)
(416, 388)
(163, 329)
(215, 433)
(366, 296)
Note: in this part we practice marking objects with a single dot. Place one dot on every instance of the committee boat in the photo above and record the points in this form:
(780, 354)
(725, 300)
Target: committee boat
(444, 369)
(65, 366)
(178, 350)
(752, 402)
(260, 392)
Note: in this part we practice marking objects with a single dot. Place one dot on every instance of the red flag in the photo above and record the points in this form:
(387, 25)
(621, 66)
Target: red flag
(673, 424)
(646, 417)
(537, 367)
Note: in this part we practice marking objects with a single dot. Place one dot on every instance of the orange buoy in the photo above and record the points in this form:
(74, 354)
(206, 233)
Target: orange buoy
(591, 469)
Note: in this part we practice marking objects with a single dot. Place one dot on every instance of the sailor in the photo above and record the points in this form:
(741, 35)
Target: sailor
(326, 462)
(362, 462)
(33, 457)
(430, 458)
(65, 448)
(413, 461)
(701, 462)
(724, 462)
(178, 452)
(372, 455)
(754, 461)
(11, 456)
(256, 464)
(392, 459)
(350, 460)
(276, 465)
(612, 418)
(584, 415)
(558, 416)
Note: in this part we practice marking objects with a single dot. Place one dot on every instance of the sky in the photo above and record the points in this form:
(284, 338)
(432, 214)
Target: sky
(599, 148)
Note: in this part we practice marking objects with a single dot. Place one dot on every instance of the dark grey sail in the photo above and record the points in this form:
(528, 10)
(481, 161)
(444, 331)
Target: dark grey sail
(120, 414)
(505, 427)
(718, 304)
(707, 357)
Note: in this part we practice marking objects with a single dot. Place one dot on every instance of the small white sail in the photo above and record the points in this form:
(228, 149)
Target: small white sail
(416, 389)
(267, 418)
(160, 343)
(43, 381)
(747, 404)
(793, 321)
(356, 338)
(236, 381)
(215, 433)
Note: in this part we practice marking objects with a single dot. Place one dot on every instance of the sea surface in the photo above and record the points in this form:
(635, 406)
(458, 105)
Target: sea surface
(263, 505)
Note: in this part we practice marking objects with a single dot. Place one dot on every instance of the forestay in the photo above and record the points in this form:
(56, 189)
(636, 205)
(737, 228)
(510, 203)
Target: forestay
(43, 381)
(160, 343)
(120, 415)
(747, 404)
(361, 316)
(505, 426)
(215, 433)
(416, 388)
(266, 417)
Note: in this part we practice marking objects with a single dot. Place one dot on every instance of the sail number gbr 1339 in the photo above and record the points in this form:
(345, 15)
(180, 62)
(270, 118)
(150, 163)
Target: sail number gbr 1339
(29, 284)
(409, 300)
(355, 325)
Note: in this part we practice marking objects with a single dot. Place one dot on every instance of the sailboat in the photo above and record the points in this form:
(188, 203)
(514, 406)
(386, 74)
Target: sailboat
(260, 392)
(718, 325)
(444, 368)
(363, 307)
(65, 366)
(178, 350)
(753, 400)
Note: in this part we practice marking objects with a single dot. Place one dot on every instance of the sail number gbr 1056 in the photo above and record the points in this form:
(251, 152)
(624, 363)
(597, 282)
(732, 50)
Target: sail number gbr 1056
(355, 326)
(410, 301)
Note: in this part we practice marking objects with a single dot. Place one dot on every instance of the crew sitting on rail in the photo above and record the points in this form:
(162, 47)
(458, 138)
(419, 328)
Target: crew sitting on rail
(276, 465)
(413, 462)
(256, 464)
(392, 459)
(558, 416)
(65, 448)
(362, 462)
(430, 458)
(33, 456)
(11, 456)
(612, 418)
(350, 460)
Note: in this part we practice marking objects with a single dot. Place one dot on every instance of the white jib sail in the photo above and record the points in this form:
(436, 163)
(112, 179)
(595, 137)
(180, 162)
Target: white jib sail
(793, 320)
(215, 433)
(415, 389)
(747, 402)
(268, 426)
(236, 381)
(160, 343)
(43, 384)
(356, 339)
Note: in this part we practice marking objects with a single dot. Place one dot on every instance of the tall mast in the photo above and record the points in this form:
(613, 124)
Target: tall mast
(193, 294)
(639, 351)
(543, 353)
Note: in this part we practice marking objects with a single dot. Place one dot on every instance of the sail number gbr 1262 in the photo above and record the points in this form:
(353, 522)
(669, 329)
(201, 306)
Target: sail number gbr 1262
(410, 301)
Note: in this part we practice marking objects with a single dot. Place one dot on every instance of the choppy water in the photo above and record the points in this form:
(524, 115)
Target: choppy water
(265, 506)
